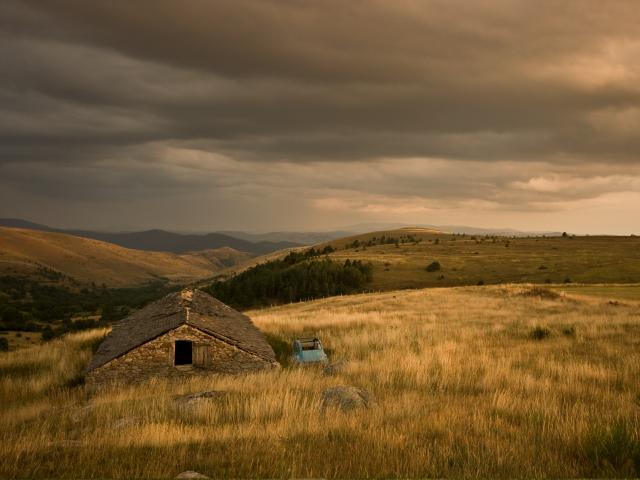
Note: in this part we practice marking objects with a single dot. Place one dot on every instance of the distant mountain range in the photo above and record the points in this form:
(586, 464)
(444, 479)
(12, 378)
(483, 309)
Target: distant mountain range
(252, 243)
(162, 240)
(503, 232)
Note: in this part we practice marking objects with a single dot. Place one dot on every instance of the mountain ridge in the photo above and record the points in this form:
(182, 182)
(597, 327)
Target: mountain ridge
(28, 252)
(158, 240)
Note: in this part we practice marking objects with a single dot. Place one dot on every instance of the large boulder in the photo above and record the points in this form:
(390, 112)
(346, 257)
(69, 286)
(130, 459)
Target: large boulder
(346, 397)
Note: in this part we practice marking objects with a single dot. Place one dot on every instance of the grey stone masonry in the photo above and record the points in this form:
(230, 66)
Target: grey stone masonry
(142, 346)
(156, 359)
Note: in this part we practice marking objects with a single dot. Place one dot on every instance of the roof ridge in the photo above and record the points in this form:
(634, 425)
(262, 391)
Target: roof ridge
(187, 300)
(186, 307)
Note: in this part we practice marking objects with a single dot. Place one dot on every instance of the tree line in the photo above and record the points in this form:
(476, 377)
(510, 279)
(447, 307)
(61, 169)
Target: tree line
(29, 305)
(298, 276)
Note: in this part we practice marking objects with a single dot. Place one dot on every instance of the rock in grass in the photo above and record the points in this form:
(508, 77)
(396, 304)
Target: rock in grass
(191, 474)
(66, 444)
(346, 397)
(78, 414)
(125, 422)
(196, 398)
(335, 367)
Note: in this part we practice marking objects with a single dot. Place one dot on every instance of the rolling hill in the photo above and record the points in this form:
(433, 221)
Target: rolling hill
(161, 240)
(27, 252)
(472, 259)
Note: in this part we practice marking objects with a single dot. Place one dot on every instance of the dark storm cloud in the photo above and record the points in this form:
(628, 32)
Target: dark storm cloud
(124, 93)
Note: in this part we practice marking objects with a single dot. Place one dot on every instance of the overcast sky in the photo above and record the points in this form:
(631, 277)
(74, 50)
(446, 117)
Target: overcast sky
(296, 115)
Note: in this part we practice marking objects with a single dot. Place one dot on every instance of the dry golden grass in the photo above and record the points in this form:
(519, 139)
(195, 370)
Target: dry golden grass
(462, 389)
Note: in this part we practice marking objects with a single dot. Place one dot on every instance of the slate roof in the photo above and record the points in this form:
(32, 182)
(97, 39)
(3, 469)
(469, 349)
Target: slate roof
(189, 307)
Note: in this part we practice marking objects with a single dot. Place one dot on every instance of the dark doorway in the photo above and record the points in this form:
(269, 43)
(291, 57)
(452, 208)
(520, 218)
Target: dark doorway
(184, 352)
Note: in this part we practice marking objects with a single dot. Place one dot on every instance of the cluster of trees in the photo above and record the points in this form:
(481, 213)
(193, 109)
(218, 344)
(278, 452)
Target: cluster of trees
(384, 240)
(297, 256)
(30, 305)
(296, 277)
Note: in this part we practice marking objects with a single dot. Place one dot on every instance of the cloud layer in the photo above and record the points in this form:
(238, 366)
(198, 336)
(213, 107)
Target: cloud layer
(286, 114)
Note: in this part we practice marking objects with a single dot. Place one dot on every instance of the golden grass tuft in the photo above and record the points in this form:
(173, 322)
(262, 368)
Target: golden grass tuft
(462, 390)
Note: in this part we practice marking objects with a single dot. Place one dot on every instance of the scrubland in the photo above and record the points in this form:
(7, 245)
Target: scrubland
(469, 259)
(464, 388)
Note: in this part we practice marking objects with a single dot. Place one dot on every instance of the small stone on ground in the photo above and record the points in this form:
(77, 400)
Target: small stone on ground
(335, 367)
(191, 474)
(196, 398)
(125, 422)
(346, 397)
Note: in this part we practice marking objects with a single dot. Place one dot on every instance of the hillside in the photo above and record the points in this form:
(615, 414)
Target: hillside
(400, 259)
(465, 386)
(163, 241)
(25, 252)
(469, 259)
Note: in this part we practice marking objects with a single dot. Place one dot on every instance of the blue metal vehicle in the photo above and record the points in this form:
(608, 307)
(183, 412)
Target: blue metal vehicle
(308, 350)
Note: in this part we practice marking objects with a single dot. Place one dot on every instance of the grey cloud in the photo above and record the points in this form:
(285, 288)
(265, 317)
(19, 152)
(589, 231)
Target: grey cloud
(121, 92)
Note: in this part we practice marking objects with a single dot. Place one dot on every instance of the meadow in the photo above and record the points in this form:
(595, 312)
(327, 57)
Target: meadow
(491, 381)
(475, 259)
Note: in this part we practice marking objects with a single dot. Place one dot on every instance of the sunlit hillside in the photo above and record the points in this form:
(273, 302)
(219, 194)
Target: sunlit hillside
(471, 260)
(25, 252)
(500, 381)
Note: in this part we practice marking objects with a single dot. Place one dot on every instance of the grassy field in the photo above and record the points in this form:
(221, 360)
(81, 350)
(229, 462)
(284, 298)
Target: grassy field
(493, 381)
(610, 291)
(21, 339)
(469, 260)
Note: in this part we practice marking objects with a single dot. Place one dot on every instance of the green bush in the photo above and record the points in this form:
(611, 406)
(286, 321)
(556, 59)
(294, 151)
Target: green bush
(281, 348)
(540, 333)
(614, 450)
(434, 266)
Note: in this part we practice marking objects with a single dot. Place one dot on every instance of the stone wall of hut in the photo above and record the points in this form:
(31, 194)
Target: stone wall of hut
(156, 359)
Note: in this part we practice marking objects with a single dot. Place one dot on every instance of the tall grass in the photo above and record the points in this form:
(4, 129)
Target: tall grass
(462, 389)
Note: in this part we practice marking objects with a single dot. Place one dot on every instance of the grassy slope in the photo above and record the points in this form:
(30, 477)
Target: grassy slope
(610, 291)
(86, 260)
(467, 261)
(462, 389)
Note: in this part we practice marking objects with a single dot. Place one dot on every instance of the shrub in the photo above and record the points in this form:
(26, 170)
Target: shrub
(480, 282)
(281, 348)
(541, 293)
(569, 331)
(614, 450)
(47, 333)
(540, 333)
(433, 266)
(4, 344)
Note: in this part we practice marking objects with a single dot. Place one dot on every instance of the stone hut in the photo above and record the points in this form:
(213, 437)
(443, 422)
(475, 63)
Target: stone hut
(183, 334)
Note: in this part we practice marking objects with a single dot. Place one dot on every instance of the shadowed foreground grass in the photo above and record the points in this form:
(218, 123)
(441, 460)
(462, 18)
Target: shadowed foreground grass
(463, 386)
